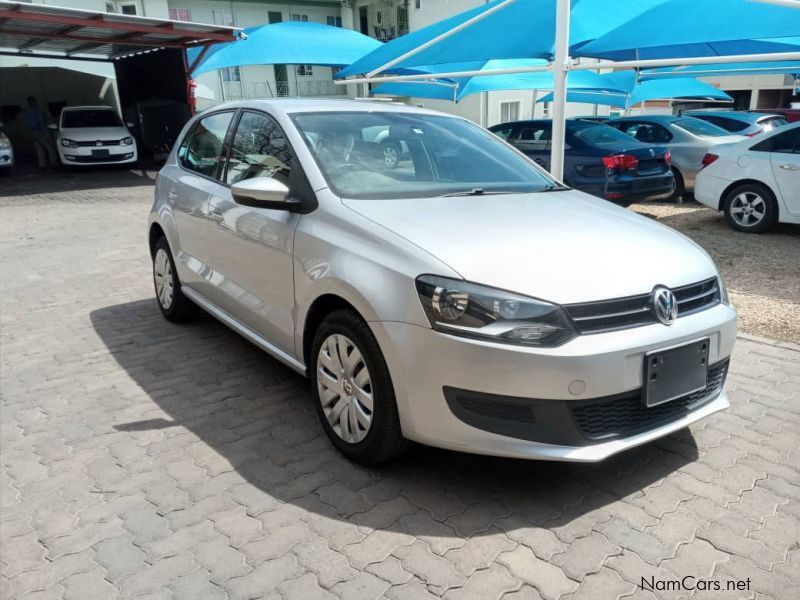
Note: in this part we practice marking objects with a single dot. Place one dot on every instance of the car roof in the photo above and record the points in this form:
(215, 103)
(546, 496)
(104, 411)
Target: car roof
(734, 114)
(655, 118)
(69, 108)
(302, 105)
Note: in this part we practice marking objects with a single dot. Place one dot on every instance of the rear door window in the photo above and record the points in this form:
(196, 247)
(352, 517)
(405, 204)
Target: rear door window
(533, 138)
(202, 151)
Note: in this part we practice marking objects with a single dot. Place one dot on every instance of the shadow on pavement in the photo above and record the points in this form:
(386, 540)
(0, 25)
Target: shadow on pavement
(257, 414)
(25, 180)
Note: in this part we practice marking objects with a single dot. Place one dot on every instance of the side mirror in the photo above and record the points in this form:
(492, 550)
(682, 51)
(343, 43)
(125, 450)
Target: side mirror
(52, 126)
(263, 192)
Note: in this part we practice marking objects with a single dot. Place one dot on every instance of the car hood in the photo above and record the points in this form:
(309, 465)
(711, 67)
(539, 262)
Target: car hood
(560, 246)
(90, 134)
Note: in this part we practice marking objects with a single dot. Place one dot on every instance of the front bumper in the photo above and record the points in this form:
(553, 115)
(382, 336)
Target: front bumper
(423, 363)
(112, 155)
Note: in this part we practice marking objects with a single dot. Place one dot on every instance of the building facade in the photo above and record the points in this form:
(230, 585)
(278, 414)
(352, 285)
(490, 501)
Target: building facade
(383, 20)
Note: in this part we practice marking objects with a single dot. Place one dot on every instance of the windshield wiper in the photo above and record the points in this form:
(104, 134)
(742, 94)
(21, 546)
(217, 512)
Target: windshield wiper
(476, 192)
(554, 188)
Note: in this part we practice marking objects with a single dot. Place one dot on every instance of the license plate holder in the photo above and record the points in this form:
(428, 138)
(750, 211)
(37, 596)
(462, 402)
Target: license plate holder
(100, 153)
(674, 372)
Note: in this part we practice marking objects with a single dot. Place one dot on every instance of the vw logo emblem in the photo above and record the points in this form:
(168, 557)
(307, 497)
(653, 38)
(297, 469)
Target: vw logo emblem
(664, 305)
(652, 152)
(98, 143)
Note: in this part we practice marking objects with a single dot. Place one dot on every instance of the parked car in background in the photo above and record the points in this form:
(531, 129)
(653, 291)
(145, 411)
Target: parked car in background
(93, 135)
(599, 159)
(756, 183)
(792, 115)
(6, 152)
(463, 299)
(687, 138)
(739, 122)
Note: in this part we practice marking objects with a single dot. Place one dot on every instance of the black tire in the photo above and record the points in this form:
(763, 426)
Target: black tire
(679, 193)
(757, 195)
(180, 309)
(384, 439)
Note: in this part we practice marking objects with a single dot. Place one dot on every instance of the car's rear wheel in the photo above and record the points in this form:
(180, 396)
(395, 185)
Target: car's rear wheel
(679, 192)
(174, 305)
(353, 390)
(751, 208)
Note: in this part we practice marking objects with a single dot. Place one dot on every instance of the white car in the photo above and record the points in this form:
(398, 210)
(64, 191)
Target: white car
(756, 183)
(6, 152)
(462, 298)
(94, 135)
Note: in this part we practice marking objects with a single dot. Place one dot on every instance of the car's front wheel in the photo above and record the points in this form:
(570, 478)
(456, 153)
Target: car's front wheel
(353, 390)
(751, 208)
(174, 305)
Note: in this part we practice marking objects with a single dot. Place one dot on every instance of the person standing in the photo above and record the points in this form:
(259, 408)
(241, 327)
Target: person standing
(37, 122)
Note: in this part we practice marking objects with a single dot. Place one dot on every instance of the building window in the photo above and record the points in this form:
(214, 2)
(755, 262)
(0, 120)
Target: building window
(231, 75)
(122, 8)
(417, 4)
(305, 70)
(302, 18)
(222, 17)
(180, 14)
(509, 111)
(334, 21)
(127, 8)
(274, 17)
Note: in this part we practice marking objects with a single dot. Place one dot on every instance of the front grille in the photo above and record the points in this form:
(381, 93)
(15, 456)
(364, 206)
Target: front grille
(635, 311)
(99, 159)
(627, 415)
(102, 143)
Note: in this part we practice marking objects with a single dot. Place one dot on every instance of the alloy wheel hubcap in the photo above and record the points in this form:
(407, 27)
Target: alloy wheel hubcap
(345, 388)
(390, 156)
(748, 209)
(162, 274)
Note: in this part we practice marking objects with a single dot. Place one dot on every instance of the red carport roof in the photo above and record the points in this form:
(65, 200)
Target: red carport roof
(60, 32)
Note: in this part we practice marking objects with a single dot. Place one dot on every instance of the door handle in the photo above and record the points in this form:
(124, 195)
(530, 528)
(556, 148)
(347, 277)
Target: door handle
(172, 195)
(790, 167)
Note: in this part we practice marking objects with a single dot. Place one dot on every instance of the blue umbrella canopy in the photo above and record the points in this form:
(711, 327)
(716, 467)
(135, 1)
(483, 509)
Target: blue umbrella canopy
(789, 67)
(290, 43)
(660, 28)
(642, 91)
(457, 88)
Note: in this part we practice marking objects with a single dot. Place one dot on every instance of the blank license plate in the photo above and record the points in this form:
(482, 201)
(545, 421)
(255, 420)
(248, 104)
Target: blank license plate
(675, 372)
(99, 152)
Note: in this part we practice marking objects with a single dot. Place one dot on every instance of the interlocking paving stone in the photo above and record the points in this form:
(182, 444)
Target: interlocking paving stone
(142, 459)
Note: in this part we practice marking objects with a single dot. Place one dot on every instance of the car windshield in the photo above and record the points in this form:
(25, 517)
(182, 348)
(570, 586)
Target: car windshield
(598, 134)
(385, 155)
(90, 118)
(701, 128)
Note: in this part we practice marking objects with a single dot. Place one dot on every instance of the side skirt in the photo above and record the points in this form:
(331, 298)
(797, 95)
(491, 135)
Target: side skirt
(244, 331)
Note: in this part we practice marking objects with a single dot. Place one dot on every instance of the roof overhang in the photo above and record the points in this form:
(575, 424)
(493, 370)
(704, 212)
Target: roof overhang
(60, 32)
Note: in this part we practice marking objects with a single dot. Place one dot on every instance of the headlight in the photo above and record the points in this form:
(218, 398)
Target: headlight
(4, 141)
(470, 310)
(67, 143)
(127, 141)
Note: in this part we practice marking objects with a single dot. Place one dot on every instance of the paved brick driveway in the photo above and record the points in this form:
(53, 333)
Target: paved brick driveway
(146, 460)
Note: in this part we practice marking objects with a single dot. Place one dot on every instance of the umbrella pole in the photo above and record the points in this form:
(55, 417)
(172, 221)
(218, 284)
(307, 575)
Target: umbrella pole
(560, 71)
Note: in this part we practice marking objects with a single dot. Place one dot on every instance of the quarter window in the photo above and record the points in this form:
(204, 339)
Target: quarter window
(787, 142)
(259, 149)
(203, 148)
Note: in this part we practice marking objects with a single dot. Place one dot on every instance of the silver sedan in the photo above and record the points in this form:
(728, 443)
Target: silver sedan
(687, 138)
(460, 298)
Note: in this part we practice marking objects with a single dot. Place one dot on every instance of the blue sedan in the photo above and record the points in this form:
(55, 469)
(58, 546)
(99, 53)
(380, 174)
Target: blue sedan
(598, 159)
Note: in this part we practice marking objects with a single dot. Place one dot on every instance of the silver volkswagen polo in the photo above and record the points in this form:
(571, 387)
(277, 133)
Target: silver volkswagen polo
(458, 296)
